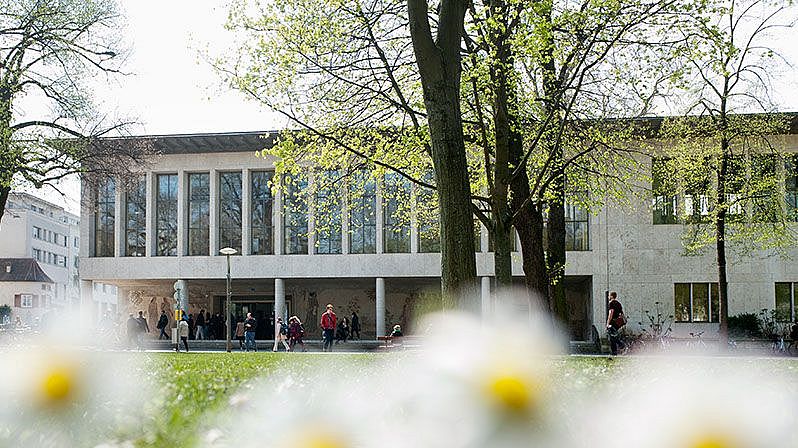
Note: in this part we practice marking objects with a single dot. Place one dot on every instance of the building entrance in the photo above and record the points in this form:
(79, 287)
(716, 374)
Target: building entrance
(262, 309)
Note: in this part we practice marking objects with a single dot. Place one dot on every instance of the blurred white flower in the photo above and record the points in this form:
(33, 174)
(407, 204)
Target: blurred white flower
(319, 403)
(56, 394)
(480, 383)
(691, 403)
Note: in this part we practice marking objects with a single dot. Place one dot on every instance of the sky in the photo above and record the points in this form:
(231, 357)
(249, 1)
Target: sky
(171, 89)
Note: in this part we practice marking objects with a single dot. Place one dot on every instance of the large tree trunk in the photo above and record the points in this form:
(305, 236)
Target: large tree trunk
(440, 69)
(555, 229)
(4, 191)
(501, 119)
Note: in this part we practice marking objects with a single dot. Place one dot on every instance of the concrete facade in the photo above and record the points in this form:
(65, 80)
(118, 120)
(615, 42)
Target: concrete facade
(625, 252)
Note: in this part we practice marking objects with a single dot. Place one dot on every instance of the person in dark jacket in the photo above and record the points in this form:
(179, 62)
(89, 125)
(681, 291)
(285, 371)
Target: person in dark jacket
(163, 322)
(199, 332)
(295, 333)
(615, 321)
(354, 326)
(250, 326)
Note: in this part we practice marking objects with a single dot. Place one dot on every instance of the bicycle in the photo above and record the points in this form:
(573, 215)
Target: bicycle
(696, 341)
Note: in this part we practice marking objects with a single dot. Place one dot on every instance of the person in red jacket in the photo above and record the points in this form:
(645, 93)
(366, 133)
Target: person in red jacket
(328, 323)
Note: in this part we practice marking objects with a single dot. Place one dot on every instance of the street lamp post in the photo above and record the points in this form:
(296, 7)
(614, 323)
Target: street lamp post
(228, 251)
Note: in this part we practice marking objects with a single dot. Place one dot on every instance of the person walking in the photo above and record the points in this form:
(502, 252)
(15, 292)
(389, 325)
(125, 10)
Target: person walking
(329, 321)
(250, 325)
(240, 333)
(615, 321)
(182, 332)
(143, 328)
(200, 326)
(342, 334)
(163, 322)
(354, 326)
(295, 333)
(280, 334)
(132, 331)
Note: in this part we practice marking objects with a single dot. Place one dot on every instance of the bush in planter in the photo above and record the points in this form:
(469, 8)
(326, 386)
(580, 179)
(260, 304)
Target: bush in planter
(5, 313)
(745, 325)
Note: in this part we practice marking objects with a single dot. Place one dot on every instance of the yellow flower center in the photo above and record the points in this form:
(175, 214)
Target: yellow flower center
(713, 441)
(57, 385)
(513, 393)
(321, 439)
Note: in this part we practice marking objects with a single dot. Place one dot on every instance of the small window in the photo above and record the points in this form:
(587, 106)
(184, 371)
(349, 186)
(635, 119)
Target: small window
(26, 301)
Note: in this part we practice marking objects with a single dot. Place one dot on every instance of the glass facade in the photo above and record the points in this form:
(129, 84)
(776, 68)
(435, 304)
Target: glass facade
(136, 219)
(362, 214)
(166, 215)
(396, 213)
(104, 219)
(327, 212)
(295, 216)
(262, 229)
(230, 210)
(199, 197)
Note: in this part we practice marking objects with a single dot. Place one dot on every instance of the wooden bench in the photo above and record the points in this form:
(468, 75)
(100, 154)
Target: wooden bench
(386, 342)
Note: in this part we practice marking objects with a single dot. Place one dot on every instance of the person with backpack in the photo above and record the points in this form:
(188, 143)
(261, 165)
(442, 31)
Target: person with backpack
(240, 332)
(295, 333)
(280, 334)
(615, 321)
(163, 322)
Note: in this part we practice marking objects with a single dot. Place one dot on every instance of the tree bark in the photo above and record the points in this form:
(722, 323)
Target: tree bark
(4, 191)
(440, 69)
(720, 244)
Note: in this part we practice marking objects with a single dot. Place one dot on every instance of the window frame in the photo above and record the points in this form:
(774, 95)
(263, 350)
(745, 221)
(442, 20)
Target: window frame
(712, 304)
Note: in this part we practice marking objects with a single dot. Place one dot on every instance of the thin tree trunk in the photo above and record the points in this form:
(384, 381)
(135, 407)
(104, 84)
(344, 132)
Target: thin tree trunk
(440, 70)
(720, 244)
(4, 191)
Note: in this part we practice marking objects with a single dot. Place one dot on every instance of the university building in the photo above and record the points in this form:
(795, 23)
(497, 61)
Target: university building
(206, 192)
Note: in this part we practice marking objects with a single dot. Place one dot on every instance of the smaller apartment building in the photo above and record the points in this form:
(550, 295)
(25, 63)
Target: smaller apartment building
(209, 191)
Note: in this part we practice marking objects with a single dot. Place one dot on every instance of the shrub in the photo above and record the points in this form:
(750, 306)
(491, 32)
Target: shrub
(745, 325)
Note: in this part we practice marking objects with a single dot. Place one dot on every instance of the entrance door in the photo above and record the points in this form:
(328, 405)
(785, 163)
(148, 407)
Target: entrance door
(262, 310)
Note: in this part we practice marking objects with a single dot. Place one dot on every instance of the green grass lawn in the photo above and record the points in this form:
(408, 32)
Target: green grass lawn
(192, 388)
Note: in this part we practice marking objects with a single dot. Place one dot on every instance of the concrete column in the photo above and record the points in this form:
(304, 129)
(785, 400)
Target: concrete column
(380, 304)
(213, 220)
(182, 228)
(182, 285)
(379, 219)
(277, 218)
(279, 299)
(246, 214)
(150, 218)
(486, 302)
(119, 220)
(86, 304)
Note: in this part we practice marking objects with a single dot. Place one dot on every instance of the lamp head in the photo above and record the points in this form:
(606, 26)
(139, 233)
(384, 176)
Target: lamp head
(228, 251)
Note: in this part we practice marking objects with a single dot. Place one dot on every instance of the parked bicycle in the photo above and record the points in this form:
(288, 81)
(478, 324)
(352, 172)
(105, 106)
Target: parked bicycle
(695, 341)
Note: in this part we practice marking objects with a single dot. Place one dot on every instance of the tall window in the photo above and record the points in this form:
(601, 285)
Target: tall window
(696, 302)
(136, 219)
(104, 219)
(327, 213)
(166, 215)
(230, 210)
(577, 228)
(791, 188)
(429, 231)
(295, 216)
(785, 301)
(199, 197)
(362, 215)
(665, 202)
(396, 212)
(261, 209)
